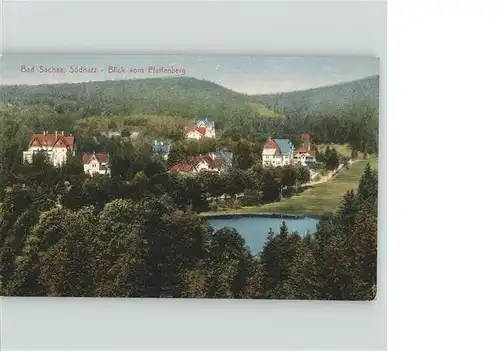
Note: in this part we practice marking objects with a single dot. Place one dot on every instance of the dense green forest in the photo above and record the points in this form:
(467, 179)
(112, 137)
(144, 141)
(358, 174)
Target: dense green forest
(344, 113)
(139, 233)
(62, 234)
(173, 96)
(188, 97)
(325, 99)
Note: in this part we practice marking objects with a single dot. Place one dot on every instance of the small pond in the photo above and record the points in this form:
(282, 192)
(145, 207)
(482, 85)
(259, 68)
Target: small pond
(255, 228)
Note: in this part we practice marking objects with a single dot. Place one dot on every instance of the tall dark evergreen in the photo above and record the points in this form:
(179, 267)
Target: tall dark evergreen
(368, 188)
(230, 265)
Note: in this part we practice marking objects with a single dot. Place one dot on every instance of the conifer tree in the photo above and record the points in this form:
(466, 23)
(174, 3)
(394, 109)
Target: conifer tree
(65, 269)
(304, 283)
(368, 189)
(44, 235)
(229, 264)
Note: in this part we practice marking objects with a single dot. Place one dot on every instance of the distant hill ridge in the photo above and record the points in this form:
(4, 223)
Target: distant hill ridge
(185, 96)
(361, 91)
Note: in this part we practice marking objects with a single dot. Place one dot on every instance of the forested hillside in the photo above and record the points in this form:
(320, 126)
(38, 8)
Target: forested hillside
(346, 113)
(187, 97)
(339, 97)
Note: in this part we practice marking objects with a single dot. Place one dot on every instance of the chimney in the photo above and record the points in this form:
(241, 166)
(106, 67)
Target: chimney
(62, 133)
(56, 134)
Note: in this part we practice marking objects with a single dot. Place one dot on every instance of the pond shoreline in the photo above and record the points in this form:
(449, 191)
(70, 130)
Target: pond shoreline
(254, 228)
(229, 215)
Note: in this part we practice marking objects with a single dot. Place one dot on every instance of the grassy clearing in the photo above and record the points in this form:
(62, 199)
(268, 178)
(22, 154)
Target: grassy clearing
(262, 110)
(320, 198)
(342, 149)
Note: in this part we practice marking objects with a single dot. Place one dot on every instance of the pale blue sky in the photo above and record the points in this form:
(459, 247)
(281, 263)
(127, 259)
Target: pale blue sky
(245, 74)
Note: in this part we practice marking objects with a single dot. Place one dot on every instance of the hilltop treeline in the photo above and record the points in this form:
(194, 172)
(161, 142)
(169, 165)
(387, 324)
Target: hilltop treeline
(174, 96)
(324, 100)
(63, 235)
(344, 113)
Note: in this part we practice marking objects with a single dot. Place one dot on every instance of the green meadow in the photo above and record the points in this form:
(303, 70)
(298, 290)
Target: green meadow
(320, 198)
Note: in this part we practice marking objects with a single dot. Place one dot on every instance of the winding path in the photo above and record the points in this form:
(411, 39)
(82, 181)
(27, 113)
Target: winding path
(330, 174)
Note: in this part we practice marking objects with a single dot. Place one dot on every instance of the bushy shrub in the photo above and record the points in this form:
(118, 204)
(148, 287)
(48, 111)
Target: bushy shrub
(250, 197)
(236, 204)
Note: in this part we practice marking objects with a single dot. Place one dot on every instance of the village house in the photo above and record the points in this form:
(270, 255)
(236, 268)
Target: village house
(96, 163)
(196, 164)
(209, 126)
(305, 155)
(195, 132)
(54, 145)
(277, 152)
(225, 156)
(205, 128)
(161, 148)
(217, 161)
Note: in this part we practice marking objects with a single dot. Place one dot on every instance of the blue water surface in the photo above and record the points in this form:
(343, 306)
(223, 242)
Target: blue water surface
(256, 229)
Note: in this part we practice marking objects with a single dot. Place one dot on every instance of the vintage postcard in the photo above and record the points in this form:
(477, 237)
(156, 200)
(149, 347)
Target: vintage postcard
(245, 177)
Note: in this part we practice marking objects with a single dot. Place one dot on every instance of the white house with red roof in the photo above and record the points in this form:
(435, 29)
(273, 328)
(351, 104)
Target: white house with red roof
(305, 155)
(96, 163)
(194, 132)
(55, 146)
(277, 152)
(209, 126)
(211, 162)
(204, 128)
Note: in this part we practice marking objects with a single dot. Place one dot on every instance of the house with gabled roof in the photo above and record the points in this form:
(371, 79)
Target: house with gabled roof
(225, 155)
(55, 146)
(96, 163)
(199, 163)
(305, 155)
(183, 167)
(207, 123)
(194, 132)
(161, 148)
(277, 152)
(204, 128)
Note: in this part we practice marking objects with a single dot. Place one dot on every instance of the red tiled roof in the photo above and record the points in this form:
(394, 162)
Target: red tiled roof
(271, 144)
(181, 167)
(52, 140)
(194, 163)
(304, 150)
(201, 130)
(212, 163)
(102, 157)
